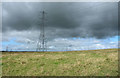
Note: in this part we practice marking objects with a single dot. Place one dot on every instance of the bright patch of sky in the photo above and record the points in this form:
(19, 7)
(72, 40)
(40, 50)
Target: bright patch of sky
(63, 44)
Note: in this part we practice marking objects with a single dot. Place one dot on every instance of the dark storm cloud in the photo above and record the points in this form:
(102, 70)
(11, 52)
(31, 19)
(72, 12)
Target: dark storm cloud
(67, 19)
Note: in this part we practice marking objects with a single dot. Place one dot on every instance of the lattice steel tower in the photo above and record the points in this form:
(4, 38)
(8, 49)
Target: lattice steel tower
(41, 44)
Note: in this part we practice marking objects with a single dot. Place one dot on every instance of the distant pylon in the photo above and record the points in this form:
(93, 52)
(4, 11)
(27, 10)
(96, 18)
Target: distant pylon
(41, 44)
(6, 48)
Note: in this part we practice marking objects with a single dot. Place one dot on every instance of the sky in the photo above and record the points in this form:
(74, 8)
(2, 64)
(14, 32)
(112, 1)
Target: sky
(68, 25)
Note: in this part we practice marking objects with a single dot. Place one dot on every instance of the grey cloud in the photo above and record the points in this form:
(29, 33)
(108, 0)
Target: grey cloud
(66, 19)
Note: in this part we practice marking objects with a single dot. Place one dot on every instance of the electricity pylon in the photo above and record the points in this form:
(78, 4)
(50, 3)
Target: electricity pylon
(41, 44)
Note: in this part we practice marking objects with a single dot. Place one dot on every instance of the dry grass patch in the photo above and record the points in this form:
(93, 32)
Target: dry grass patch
(79, 63)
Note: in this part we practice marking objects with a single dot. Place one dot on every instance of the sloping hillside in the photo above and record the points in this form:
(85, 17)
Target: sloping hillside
(79, 63)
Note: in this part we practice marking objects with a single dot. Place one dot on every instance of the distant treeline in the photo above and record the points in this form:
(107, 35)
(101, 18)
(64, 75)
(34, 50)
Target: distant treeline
(32, 51)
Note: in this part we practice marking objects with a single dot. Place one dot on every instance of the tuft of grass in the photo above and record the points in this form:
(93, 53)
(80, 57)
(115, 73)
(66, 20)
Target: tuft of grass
(72, 63)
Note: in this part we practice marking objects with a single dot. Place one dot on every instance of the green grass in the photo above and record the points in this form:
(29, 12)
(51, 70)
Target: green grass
(77, 63)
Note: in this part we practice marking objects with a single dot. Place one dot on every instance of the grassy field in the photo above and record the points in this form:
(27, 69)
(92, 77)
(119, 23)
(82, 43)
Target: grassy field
(77, 63)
